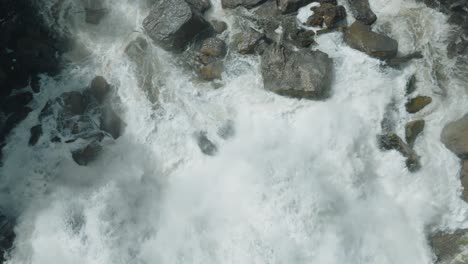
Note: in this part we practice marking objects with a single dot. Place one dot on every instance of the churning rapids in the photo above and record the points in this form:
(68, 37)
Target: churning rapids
(299, 182)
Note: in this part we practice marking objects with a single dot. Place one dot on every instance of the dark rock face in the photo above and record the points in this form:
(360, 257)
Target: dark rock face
(173, 24)
(205, 145)
(326, 15)
(303, 74)
(87, 154)
(359, 36)
(7, 236)
(244, 3)
(455, 137)
(362, 12)
(416, 104)
(245, 42)
(99, 88)
(392, 141)
(412, 131)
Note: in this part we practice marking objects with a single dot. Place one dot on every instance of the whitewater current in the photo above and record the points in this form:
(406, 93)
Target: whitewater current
(299, 181)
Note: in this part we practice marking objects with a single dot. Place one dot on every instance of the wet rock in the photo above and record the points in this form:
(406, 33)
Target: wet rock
(99, 88)
(212, 71)
(416, 104)
(392, 141)
(86, 155)
(35, 84)
(302, 74)
(15, 102)
(400, 61)
(173, 24)
(94, 11)
(359, 36)
(455, 137)
(327, 15)
(244, 3)
(245, 42)
(205, 145)
(412, 131)
(74, 102)
(200, 5)
(449, 247)
(111, 122)
(213, 47)
(289, 6)
(464, 179)
(7, 236)
(362, 12)
(411, 85)
(36, 133)
(295, 35)
(219, 26)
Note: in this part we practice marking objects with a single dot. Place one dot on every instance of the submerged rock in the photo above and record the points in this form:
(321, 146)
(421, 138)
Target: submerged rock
(416, 104)
(94, 11)
(455, 137)
(244, 3)
(400, 61)
(173, 24)
(359, 36)
(412, 131)
(302, 74)
(411, 85)
(362, 12)
(86, 155)
(99, 88)
(392, 141)
(36, 133)
(205, 145)
(212, 71)
(213, 47)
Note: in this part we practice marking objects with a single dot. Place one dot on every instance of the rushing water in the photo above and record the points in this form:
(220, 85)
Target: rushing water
(299, 182)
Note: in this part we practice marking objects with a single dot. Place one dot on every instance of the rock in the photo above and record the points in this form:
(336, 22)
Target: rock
(245, 42)
(359, 36)
(36, 133)
(302, 74)
(15, 102)
(86, 155)
(244, 3)
(218, 26)
(411, 85)
(173, 24)
(289, 6)
(326, 14)
(99, 88)
(111, 122)
(94, 10)
(455, 137)
(399, 61)
(35, 84)
(200, 5)
(464, 179)
(212, 71)
(417, 104)
(7, 236)
(213, 47)
(295, 35)
(205, 145)
(449, 247)
(362, 12)
(392, 141)
(74, 102)
(412, 131)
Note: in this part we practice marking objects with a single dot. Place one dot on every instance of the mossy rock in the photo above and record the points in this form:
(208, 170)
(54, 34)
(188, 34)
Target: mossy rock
(416, 104)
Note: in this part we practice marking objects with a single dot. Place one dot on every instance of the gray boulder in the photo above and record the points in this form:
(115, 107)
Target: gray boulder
(455, 137)
(412, 131)
(219, 26)
(301, 74)
(362, 12)
(244, 3)
(173, 24)
(200, 5)
(360, 36)
(289, 6)
(213, 47)
(246, 41)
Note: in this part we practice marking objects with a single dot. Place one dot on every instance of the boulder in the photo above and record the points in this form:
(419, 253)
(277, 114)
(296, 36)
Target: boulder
(362, 12)
(244, 3)
(327, 15)
(412, 131)
(36, 133)
(411, 85)
(173, 24)
(200, 5)
(416, 104)
(206, 146)
(111, 122)
(359, 36)
(7, 236)
(302, 74)
(246, 41)
(87, 154)
(212, 71)
(455, 137)
(464, 179)
(219, 26)
(450, 247)
(213, 47)
(295, 35)
(289, 6)
(392, 141)
(99, 88)
(398, 62)
(74, 102)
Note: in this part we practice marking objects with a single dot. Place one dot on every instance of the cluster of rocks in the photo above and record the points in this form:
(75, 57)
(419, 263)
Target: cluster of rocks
(84, 118)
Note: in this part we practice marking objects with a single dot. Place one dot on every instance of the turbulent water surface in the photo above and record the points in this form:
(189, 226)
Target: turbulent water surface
(299, 181)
